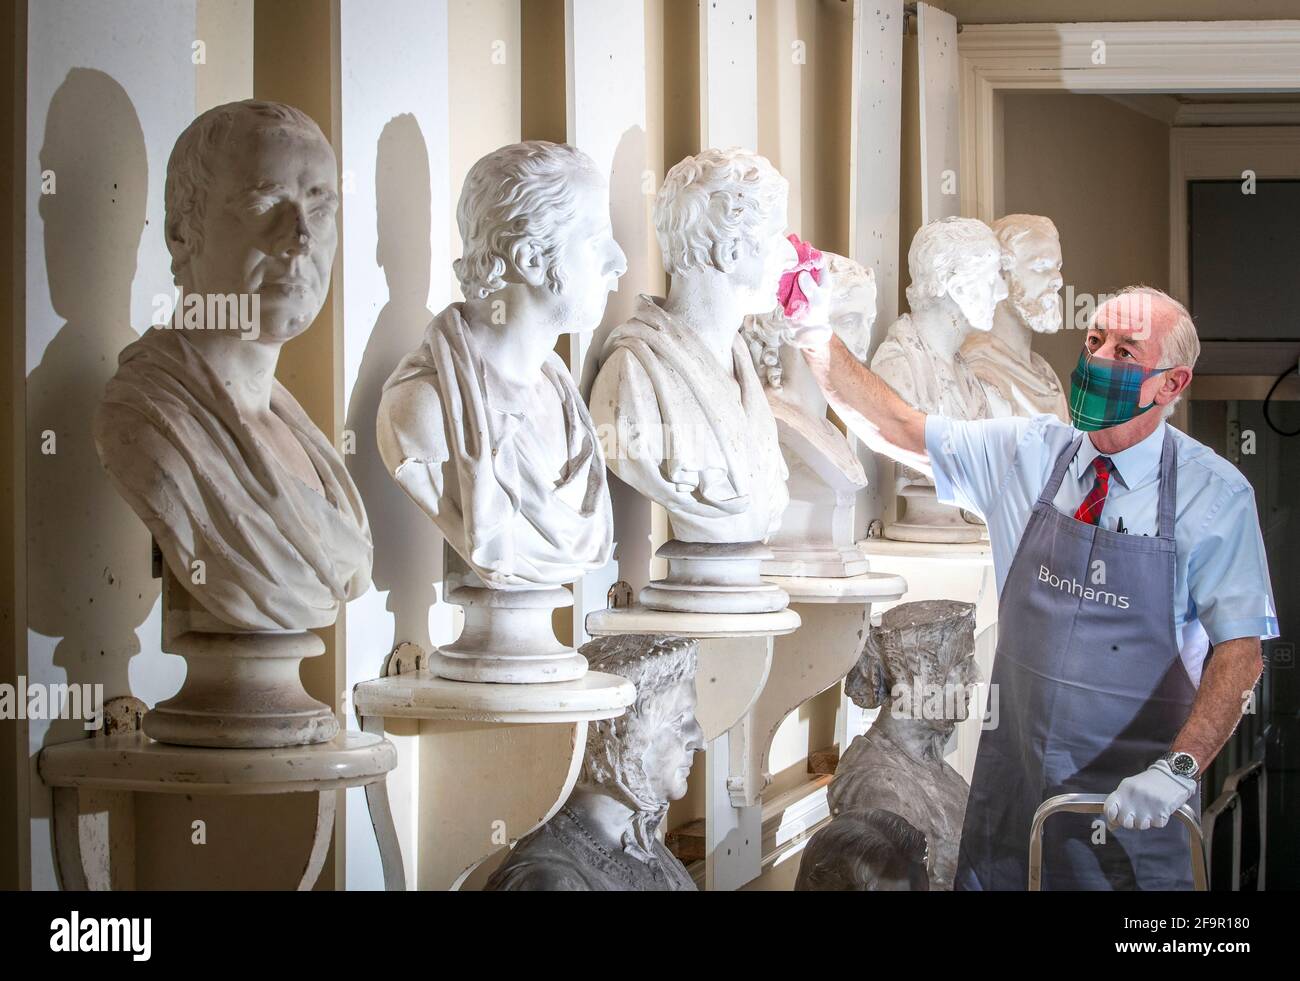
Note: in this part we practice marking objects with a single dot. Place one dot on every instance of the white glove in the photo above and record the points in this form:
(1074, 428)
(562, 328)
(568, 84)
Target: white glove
(1148, 799)
(813, 329)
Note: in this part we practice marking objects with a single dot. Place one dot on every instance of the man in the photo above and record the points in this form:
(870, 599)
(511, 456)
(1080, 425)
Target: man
(1134, 595)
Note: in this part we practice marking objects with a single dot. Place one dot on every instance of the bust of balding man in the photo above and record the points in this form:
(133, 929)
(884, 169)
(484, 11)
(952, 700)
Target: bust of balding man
(248, 501)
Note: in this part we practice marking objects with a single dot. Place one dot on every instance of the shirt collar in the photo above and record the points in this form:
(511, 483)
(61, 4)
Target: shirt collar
(1132, 465)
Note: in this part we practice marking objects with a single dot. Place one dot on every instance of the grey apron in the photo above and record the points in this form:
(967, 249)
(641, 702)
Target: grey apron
(1091, 690)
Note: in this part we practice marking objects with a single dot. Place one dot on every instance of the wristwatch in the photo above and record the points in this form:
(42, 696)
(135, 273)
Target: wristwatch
(1183, 764)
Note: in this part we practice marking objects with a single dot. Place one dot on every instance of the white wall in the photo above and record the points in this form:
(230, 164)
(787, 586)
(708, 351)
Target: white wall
(110, 86)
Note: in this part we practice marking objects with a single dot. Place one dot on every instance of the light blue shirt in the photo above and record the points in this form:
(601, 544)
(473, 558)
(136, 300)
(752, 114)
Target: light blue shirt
(998, 467)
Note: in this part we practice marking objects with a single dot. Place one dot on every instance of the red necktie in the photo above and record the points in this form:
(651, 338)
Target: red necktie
(1090, 509)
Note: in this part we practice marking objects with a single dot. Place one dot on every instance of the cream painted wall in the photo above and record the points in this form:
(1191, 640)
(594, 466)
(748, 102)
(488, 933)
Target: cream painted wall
(1101, 172)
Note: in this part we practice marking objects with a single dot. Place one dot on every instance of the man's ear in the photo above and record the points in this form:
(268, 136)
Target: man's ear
(1168, 385)
(177, 246)
(1180, 377)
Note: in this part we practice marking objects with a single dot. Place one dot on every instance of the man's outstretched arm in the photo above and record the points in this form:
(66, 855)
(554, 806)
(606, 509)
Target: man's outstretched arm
(869, 407)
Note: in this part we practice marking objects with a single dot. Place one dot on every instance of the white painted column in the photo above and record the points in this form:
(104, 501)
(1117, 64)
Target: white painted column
(729, 73)
(876, 140)
(394, 272)
(605, 58)
(940, 109)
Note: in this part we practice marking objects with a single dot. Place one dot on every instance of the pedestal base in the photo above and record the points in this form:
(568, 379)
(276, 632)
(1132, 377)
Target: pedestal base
(243, 691)
(926, 520)
(714, 577)
(508, 638)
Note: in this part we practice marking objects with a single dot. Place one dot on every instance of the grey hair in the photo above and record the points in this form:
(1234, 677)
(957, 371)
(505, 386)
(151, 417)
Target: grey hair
(189, 168)
(1181, 347)
(710, 203)
(514, 206)
(941, 248)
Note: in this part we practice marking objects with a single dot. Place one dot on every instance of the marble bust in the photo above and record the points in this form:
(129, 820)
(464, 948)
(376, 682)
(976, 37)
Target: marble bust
(816, 537)
(918, 668)
(483, 426)
(1017, 381)
(604, 837)
(683, 412)
(215, 456)
(956, 283)
(262, 530)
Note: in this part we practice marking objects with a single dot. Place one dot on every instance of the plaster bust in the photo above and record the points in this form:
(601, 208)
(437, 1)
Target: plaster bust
(677, 393)
(816, 536)
(918, 668)
(249, 502)
(1017, 381)
(956, 284)
(482, 425)
(682, 411)
(604, 836)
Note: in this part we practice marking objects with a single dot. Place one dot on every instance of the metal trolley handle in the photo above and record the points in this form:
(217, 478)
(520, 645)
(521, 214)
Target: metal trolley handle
(1093, 804)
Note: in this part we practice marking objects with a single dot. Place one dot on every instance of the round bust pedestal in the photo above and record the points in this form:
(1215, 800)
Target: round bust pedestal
(926, 520)
(714, 577)
(243, 691)
(508, 638)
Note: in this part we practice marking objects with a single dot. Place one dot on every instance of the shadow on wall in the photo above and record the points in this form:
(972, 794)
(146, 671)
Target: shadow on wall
(408, 549)
(89, 570)
(632, 186)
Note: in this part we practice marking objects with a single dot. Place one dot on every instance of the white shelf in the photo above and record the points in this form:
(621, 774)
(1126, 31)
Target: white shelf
(131, 761)
(704, 626)
(421, 695)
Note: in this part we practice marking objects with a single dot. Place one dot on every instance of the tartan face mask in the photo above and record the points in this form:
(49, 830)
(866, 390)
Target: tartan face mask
(1105, 393)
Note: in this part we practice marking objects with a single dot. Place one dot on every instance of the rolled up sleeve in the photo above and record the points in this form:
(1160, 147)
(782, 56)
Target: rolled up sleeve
(1227, 575)
(972, 459)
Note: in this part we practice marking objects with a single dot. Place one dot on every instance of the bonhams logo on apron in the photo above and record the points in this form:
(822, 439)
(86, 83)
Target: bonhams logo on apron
(1076, 588)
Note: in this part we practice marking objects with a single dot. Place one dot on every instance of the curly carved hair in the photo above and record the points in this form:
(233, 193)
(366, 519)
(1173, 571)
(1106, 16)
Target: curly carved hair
(944, 249)
(711, 203)
(515, 206)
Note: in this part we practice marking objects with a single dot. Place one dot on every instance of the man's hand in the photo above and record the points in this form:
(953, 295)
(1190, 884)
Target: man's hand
(1148, 799)
(812, 331)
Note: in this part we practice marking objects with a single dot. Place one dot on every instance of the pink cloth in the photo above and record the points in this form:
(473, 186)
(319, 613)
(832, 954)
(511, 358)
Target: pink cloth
(793, 302)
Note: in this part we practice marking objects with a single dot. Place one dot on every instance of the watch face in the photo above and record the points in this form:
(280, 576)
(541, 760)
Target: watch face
(1183, 764)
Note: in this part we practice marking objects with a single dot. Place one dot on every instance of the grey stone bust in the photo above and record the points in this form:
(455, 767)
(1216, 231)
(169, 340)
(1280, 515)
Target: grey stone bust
(603, 838)
(918, 668)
